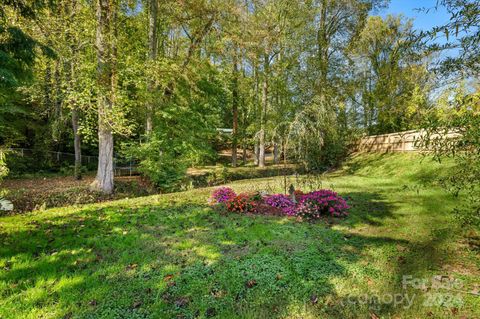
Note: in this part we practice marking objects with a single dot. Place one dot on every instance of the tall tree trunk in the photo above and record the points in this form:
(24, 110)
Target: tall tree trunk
(47, 90)
(105, 79)
(263, 115)
(58, 91)
(244, 125)
(244, 152)
(261, 147)
(77, 140)
(77, 144)
(75, 120)
(244, 136)
(235, 111)
(322, 49)
(152, 56)
(276, 153)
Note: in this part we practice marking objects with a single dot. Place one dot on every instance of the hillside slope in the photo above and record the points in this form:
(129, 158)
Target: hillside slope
(168, 256)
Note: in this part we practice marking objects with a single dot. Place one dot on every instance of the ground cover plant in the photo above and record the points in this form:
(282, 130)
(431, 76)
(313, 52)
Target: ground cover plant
(172, 256)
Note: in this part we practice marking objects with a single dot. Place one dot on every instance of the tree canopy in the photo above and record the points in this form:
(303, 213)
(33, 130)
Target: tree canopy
(153, 80)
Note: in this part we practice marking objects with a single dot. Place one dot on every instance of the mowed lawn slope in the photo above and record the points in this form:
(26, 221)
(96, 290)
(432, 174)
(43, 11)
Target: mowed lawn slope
(171, 256)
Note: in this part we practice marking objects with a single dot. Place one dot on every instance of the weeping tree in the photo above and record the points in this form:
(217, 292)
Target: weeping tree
(314, 137)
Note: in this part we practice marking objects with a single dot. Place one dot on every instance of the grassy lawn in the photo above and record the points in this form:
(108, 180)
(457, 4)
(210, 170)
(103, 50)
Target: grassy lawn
(171, 256)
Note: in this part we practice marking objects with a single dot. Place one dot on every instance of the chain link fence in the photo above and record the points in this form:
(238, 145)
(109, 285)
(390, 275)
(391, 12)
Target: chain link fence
(24, 161)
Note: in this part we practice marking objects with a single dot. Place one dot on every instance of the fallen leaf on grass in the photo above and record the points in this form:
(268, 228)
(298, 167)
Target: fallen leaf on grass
(218, 293)
(132, 266)
(251, 283)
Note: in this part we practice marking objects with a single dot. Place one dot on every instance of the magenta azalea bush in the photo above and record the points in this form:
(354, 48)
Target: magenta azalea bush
(321, 203)
(312, 205)
(283, 202)
(222, 195)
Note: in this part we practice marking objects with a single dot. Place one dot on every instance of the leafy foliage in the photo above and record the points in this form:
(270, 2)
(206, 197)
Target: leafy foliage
(462, 34)
(391, 59)
(456, 133)
(160, 161)
(3, 164)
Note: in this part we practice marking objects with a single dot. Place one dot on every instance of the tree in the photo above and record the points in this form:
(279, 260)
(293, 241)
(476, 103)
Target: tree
(106, 81)
(152, 56)
(269, 24)
(459, 113)
(18, 51)
(462, 34)
(321, 83)
(235, 102)
(393, 70)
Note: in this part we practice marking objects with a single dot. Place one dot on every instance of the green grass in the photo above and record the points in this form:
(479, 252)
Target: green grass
(171, 256)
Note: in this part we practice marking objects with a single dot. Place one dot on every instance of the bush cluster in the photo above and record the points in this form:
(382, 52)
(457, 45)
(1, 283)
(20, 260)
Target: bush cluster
(222, 194)
(285, 203)
(320, 203)
(241, 203)
(313, 205)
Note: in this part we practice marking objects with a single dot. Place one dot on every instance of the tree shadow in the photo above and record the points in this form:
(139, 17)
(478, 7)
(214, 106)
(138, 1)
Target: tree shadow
(368, 208)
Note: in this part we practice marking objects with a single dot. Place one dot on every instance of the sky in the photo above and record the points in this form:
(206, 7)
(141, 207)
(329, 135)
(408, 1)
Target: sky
(422, 20)
(425, 19)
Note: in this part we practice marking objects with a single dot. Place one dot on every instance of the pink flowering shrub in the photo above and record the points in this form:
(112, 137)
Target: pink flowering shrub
(283, 202)
(222, 195)
(321, 203)
(311, 205)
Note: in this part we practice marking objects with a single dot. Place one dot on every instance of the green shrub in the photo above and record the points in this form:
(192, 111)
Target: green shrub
(3, 165)
(161, 162)
(463, 119)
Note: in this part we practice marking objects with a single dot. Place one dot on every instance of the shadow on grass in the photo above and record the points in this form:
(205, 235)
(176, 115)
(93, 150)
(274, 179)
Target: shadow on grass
(369, 208)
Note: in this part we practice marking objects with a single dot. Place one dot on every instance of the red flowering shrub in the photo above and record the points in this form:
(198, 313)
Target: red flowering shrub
(242, 203)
